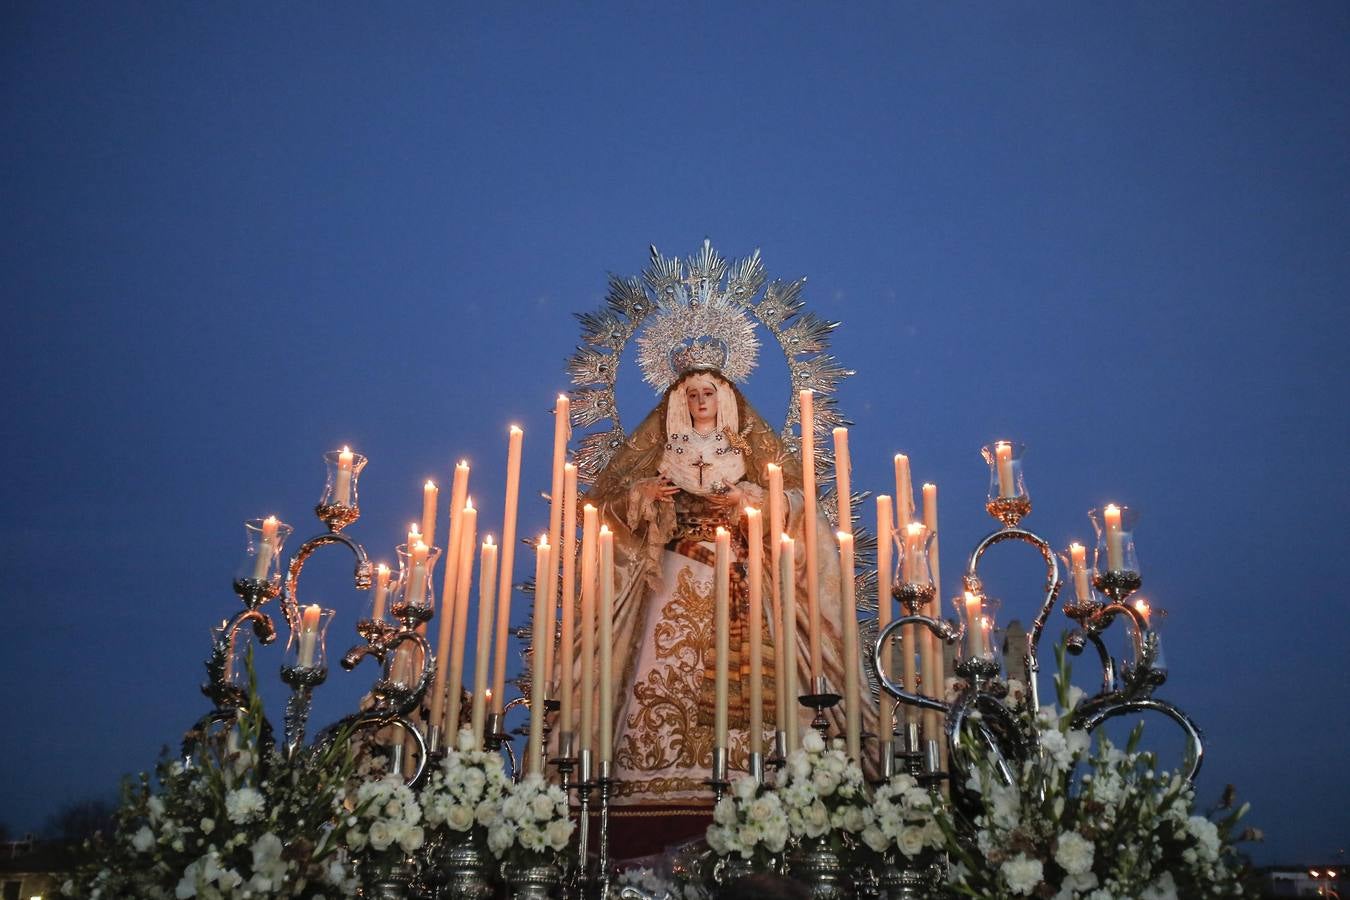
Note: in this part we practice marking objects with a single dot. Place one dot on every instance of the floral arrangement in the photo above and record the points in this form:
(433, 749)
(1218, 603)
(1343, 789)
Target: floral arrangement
(241, 821)
(749, 822)
(382, 822)
(465, 792)
(533, 826)
(1096, 824)
(902, 818)
(823, 793)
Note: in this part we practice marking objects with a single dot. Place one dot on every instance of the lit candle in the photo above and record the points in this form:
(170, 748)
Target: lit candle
(1141, 606)
(885, 524)
(1078, 569)
(508, 561)
(808, 423)
(852, 698)
(309, 635)
(414, 535)
(914, 539)
(430, 493)
(754, 523)
(904, 491)
(267, 548)
(721, 631)
(843, 466)
(1115, 552)
(487, 589)
(455, 677)
(1003, 457)
(606, 644)
(974, 633)
(381, 591)
(787, 558)
(458, 497)
(566, 631)
(342, 487)
(589, 534)
(543, 580)
(417, 577)
(776, 527)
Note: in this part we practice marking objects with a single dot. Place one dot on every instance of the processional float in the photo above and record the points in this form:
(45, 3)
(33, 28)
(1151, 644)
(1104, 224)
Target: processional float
(932, 726)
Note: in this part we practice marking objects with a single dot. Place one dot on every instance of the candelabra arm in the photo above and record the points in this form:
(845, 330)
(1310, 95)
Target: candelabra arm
(1078, 641)
(1053, 582)
(944, 631)
(218, 688)
(1092, 713)
(290, 600)
(995, 727)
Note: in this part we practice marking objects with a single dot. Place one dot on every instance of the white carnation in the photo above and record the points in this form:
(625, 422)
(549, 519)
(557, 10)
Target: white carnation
(1074, 853)
(1022, 874)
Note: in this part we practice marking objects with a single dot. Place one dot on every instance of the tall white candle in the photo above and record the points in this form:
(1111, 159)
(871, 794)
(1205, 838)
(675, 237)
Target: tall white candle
(589, 535)
(787, 559)
(542, 613)
(852, 696)
(755, 581)
(904, 491)
(508, 561)
(487, 589)
(566, 632)
(721, 631)
(562, 431)
(1115, 547)
(430, 494)
(777, 506)
(843, 468)
(309, 635)
(455, 677)
(342, 486)
(885, 540)
(453, 552)
(606, 644)
(933, 666)
(808, 423)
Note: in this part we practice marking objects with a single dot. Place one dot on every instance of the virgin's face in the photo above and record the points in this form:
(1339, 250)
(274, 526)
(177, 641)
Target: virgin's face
(700, 392)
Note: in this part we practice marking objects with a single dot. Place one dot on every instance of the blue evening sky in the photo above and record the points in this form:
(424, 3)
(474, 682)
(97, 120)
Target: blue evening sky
(238, 235)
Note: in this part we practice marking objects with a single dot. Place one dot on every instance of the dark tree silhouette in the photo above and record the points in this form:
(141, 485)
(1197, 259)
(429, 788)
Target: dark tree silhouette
(80, 820)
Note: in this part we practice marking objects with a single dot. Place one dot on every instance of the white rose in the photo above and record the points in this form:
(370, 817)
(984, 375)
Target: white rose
(813, 742)
(459, 818)
(412, 838)
(542, 807)
(558, 833)
(911, 840)
(381, 835)
(143, 840)
(873, 838)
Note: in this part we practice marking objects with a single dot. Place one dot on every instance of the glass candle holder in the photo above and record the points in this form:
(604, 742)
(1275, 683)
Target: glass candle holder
(385, 587)
(913, 584)
(236, 654)
(307, 647)
(416, 593)
(344, 471)
(1008, 499)
(405, 667)
(1081, 599)
(978, 616)
(260, 569)
(1151, 640)
(1115, 559)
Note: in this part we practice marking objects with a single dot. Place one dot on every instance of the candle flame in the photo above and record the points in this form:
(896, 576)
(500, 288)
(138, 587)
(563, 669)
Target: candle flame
(604, 530)
(928, 485)
(487, 542)
(463, 464)
(270, 520)
(915, 528)
(843, 536)
(468, 505)
(516, 429)
(429, 486)
(839, 429)
(382, 570)
(752, 510)
(413, 530)
(543, 541)
(1111, 509)
(588, 507)
(901, 456)
(569, 467)
(346, 449)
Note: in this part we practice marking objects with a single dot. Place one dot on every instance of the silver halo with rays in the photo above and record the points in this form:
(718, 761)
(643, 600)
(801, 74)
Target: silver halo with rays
(674, 303)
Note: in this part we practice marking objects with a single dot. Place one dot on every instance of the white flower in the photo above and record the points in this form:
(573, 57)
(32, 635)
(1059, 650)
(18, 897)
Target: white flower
(244, 805)
(558, 833)
(1022, 874)
(813, 742)
(1207, 836)
(459, 818)
(412, 838)
(911, 840)
(143, 839)
(381, 835)
(1074, 853)
(208, 826)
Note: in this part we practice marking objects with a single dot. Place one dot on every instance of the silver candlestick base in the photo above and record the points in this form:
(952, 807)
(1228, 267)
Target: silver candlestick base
(820, 701)
(718, 778)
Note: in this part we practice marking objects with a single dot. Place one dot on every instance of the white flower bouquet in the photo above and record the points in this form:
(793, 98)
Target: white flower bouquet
(533, 827)
(901, 819)
(1095, 824)
(240, 822)
(464, 794)
(749, 822)
(823, 794)
(382, 822)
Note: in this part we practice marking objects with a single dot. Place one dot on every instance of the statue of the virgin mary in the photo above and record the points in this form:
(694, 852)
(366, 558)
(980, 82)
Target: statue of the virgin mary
(694, 463)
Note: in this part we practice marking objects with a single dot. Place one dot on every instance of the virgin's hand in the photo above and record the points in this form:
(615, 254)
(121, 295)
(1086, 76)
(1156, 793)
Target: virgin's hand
(658, 489)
